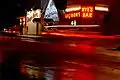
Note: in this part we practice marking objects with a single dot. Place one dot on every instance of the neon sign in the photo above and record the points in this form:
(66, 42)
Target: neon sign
(72, 15)
(33, 14)
(85, 12)
(73, 9)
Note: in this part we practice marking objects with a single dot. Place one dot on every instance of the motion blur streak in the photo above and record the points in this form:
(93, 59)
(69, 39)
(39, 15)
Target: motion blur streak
(83, 75)
(82, 35)
(81, 64)
(77, 75)
(68, 26)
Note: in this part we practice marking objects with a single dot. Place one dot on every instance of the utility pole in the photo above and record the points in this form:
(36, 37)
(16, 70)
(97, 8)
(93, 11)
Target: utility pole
(44, 4)
(42, 17)
(42, 20)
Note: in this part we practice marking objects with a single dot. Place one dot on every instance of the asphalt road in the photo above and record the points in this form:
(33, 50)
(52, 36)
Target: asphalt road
(61, 58)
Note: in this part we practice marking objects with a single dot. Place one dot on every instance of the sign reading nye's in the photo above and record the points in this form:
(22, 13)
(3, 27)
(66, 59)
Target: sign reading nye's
(84, 12)
(87, 12)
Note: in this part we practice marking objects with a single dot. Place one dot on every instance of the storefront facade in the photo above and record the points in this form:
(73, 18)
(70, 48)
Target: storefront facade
(89, 15)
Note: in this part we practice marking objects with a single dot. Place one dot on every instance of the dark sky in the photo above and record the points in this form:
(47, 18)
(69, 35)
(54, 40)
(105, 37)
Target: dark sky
(10, 9)
(92, 1)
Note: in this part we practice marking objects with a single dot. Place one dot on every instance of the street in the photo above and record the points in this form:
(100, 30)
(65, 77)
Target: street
(62, 58)
(60, 40)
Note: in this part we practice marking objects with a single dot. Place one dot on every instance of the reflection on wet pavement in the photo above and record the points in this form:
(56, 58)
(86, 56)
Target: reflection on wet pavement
(85, 69)
(70, 71)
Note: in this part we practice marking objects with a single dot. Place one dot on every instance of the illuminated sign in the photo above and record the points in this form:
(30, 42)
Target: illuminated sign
(22, 21)
(73, 9)
(85, 12)
(33, 14)
(98, 8)
(72, 15)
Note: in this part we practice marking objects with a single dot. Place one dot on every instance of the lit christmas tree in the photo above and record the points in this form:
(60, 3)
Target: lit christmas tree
(51, 11)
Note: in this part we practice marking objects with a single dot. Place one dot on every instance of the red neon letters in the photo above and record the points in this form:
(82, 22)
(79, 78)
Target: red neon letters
(85, 12)
(72, 15)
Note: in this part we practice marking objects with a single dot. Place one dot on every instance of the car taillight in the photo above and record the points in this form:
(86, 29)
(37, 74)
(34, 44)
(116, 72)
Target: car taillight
(14, 31)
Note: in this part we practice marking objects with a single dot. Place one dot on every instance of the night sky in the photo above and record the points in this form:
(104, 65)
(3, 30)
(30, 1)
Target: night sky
(11, 9)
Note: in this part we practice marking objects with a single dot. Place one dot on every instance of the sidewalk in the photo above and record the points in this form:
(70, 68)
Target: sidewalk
(80, 35)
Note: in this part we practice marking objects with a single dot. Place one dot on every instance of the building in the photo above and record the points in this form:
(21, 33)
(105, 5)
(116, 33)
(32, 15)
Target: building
(86, 15)
(31, 23)
(33, 27)
(105, 13)
(27, 25)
